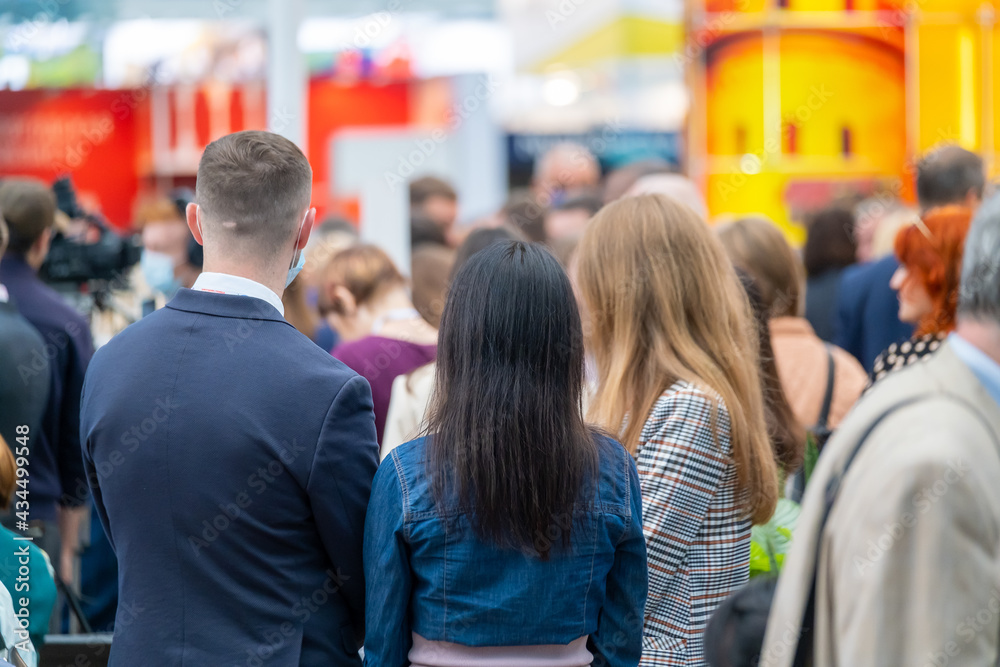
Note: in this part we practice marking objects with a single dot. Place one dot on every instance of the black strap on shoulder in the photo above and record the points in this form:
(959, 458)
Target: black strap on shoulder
(824, 412)
(804, 647)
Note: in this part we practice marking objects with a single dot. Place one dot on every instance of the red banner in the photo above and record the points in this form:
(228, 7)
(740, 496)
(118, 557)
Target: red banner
(90, 135)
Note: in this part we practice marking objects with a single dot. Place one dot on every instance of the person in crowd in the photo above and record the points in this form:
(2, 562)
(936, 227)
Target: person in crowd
(677, 187)
(620, 180)
(563, 171)
(411, 392)
(24, 366)
(481, 238)
(565, 251)
(829, 249)
(301, 295)
(568, 219)
(365, 298)
(431, 267)
(901, 563)
(676, 353)
(435, 200)
(470, 524)
(867, 310)
(301, 299)
(298, 312)
(327, 239)
(788, 436)
(757, 246)
(171, 258)
(884, 237)
(523, 212)
(930, 266)
(866, 313)
(58, 483)
(231, 470)
(876, 221)
(38, 586)
(425, 231)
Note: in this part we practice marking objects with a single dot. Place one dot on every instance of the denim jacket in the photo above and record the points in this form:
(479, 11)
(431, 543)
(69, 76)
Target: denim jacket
(427, 572)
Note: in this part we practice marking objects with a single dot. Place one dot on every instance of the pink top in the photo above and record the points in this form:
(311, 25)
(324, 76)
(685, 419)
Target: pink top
(427, 653)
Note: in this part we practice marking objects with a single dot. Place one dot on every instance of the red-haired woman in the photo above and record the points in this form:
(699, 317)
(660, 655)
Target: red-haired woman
(930, 257)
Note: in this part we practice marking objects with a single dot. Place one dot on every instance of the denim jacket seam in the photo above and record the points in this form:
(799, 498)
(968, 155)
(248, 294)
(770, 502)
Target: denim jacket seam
(628, 497)
(586, 595)
(438, 513)
(444, 584)
(405, 490)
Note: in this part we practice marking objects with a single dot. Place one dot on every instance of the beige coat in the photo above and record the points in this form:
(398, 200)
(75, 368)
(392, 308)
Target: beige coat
(909, 565)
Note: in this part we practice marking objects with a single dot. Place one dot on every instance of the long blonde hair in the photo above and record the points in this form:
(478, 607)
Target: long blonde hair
(665, 305)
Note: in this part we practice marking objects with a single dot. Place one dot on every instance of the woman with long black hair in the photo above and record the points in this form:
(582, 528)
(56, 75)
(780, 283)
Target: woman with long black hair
(512, 533)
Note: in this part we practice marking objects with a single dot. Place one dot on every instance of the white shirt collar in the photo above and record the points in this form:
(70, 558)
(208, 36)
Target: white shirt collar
(226, 283)
(4, 296)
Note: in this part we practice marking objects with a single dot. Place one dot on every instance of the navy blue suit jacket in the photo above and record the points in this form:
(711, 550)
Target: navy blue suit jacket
(868, 311)
(231, 460)
(57, 476)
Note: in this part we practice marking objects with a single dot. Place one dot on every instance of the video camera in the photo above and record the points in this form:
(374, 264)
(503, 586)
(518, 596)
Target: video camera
(97, 254)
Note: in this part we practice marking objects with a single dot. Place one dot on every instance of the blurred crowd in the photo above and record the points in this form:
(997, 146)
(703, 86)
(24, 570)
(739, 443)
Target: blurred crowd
(722, 358)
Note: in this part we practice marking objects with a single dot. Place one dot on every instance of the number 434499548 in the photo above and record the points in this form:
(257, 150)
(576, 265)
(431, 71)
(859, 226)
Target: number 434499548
(21, 453)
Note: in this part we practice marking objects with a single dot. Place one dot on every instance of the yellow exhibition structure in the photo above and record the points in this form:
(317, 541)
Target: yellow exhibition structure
(796, 103)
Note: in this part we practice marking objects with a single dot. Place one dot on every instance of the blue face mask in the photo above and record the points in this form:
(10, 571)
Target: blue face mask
(293, 272)
(158, 270)
(297, 264)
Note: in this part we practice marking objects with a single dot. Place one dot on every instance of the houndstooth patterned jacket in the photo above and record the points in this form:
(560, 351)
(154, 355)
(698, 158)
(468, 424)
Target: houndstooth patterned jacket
(697, 535)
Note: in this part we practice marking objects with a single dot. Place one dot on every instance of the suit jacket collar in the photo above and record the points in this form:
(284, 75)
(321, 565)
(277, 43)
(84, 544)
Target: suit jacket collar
(225, 305)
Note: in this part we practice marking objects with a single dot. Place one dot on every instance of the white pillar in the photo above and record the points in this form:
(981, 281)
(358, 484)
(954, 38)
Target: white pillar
(385, 220)
(480, 166)
(286, 71)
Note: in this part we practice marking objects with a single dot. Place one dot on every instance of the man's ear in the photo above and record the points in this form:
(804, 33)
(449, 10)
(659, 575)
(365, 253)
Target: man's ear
(307, 225)
(191, 213)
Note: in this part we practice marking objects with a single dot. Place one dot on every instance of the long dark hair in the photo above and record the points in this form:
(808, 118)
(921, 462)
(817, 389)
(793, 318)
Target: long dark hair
(506, 426)
(788, 437)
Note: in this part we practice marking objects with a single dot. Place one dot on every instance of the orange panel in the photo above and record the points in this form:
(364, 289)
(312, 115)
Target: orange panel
(333, 106)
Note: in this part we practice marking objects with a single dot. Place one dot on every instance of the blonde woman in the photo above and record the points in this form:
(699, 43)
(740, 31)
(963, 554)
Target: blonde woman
(676, 352)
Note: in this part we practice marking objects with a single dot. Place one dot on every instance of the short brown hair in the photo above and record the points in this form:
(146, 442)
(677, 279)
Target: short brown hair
(757, 246)
(366, 271)
(431, 267)
(424, 188)
(156, 208)
(253, 186)
(29, 207)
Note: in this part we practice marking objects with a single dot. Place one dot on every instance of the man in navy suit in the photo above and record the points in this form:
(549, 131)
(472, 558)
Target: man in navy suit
(230, 458)
(58, 492)
(867, 317)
